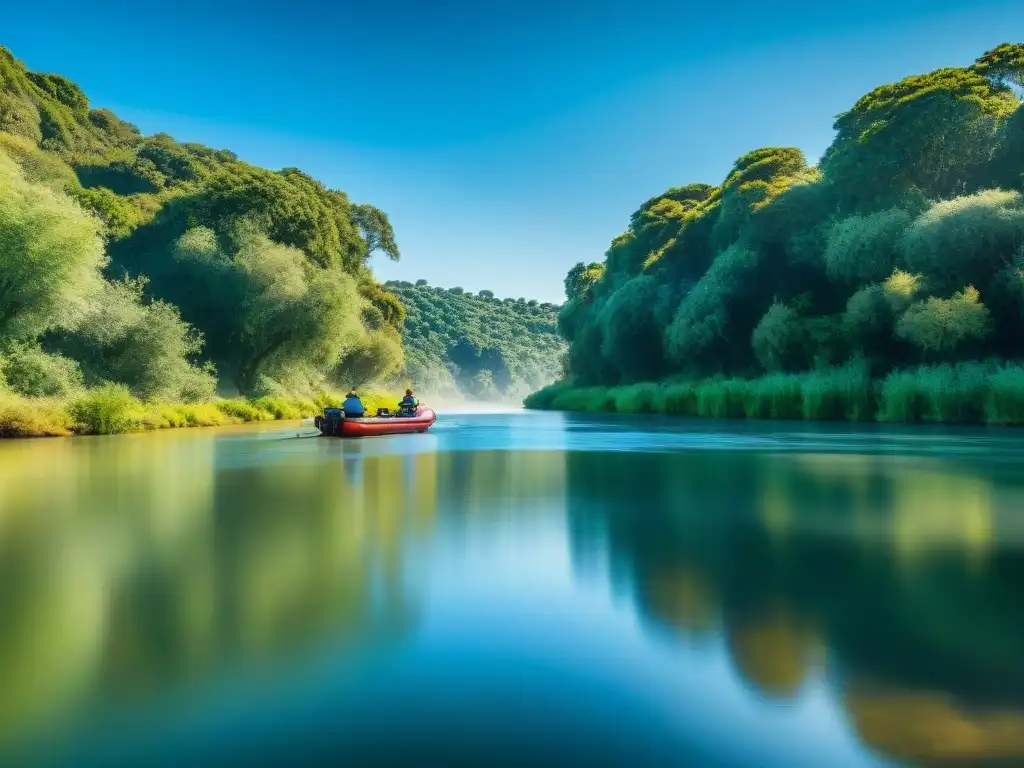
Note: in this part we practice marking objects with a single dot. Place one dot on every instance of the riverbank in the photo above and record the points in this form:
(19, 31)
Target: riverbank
(967, 393)
(113, 410)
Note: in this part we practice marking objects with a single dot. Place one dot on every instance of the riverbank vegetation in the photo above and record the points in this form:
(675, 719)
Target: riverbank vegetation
(140, 271)
(885, 282)
(112, 409)
(475, 345)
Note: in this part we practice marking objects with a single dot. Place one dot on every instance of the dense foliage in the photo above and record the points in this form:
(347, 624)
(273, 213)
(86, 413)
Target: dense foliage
(173, 269)
(477, 345)
(903, 247)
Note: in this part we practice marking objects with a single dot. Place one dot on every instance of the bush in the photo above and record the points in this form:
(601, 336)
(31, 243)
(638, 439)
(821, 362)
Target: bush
(24, 417)
(966, 239)
(278, 407)
(241, 410)
(865, 248)
(107, 410)
(780, 341)
(942, 325)
(35, 373)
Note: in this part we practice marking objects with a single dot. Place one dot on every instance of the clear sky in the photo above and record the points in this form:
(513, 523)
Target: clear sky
(506, 141)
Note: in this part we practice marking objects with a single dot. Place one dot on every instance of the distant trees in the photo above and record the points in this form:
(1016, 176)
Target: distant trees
(475, 345)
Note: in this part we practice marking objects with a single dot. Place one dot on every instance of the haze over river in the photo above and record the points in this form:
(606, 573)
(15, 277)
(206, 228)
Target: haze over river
(515, 588)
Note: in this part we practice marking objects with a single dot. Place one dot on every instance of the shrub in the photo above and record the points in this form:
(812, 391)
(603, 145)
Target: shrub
(24, 417)
(865, 248)
(241, 410)
(278, 407)
(107, 410)
(942, 325)
(35, 373)
(780, 341)
(966, 239)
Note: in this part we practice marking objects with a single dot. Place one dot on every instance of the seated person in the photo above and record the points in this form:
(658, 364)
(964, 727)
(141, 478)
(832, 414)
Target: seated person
(408, 404)
(353, 406)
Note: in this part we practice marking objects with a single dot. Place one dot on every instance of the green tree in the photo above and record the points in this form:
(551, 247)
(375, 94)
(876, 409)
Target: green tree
(263, 306)
(51, 253)
(1003, 64)
(376, 230)
(781, 341)
(941, 325)
(142, 344)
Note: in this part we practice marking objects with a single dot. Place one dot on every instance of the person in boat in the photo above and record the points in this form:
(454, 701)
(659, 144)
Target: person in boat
(353, 406)
(408, 404)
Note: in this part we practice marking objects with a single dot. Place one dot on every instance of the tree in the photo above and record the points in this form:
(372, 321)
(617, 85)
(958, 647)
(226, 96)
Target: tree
(966, 239)
(780, 341)
(51, 253)
(143, 344)
(377, 356)
(376, 230)
(941, 325)
(264, 306)
(865, 247)
(1003, 64)
(935, 132)
(581, 279)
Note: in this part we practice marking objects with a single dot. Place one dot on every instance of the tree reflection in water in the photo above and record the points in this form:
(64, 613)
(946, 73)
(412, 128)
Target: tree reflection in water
(897, 581)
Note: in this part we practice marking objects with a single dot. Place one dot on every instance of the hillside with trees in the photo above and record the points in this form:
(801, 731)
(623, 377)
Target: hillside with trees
(476, 345)
(156, 270)
(887, 281)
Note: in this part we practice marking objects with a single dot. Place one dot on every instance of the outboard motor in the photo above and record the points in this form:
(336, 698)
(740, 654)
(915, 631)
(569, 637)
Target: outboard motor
(330, 422)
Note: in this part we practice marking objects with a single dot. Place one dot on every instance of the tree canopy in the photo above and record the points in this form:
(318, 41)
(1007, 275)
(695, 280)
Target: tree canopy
(905, 243)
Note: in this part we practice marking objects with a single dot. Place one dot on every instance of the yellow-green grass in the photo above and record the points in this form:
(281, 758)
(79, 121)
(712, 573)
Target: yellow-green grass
(112, 409)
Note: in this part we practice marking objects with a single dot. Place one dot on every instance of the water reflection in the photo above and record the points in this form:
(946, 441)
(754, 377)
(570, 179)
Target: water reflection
(897, 582)
(460, 587)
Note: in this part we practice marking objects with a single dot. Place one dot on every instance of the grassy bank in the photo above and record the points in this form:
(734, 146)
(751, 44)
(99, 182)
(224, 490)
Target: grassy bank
(967, 393)
(113, 410)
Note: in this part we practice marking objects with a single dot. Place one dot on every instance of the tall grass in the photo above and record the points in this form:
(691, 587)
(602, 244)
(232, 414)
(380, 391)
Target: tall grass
(967, 393)
(112, 409)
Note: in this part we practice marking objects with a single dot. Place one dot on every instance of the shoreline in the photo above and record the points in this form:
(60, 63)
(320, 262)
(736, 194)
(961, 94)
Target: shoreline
(112, 410)
(967, 394)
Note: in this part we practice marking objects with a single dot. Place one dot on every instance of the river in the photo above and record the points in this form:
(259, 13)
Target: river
(517, 588)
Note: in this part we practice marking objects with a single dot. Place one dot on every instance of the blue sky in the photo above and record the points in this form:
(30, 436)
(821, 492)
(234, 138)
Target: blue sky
(506, 141)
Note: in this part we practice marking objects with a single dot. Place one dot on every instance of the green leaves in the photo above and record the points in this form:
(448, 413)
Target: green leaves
(1003, 64)
(785, 266)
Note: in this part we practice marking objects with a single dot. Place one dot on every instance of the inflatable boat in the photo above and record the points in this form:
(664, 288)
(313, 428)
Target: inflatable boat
(334, 424)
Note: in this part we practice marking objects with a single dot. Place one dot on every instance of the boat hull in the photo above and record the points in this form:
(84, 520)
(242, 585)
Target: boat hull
(373, 426)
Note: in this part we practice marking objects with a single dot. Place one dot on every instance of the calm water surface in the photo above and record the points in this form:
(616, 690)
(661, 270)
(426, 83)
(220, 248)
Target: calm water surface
(515, 589)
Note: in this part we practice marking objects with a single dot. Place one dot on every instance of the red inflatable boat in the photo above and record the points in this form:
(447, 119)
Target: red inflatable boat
(332, 423)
